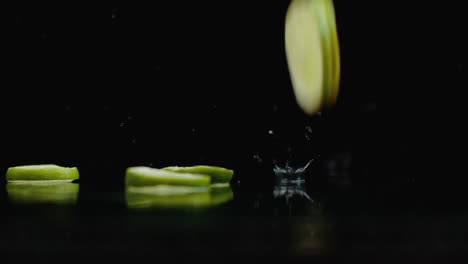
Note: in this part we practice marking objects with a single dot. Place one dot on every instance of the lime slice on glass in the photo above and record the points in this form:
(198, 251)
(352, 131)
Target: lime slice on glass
(312, 53)
(145, 176)
(217, 174)
(44, 172)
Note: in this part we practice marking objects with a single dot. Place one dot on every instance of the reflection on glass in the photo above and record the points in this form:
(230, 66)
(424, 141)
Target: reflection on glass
(176, 197)
(290, 182)
(43, 192)
(311, 229)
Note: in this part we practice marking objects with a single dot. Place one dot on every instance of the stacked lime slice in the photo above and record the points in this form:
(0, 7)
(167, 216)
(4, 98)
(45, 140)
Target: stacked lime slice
(200, 175)
(177, 187)
(312, 52)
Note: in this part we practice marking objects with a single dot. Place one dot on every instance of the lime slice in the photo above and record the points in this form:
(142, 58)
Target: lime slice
(217, 174)
(43, 172)
(144, 176)
(42, 192)
(220, 194)
(312, 53)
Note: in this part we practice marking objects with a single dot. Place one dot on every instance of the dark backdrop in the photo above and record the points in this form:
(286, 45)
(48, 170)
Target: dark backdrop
(187, 82)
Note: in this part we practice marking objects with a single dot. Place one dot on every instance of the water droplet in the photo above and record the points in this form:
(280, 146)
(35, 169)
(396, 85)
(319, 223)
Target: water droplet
(114, 15)
(308, 133)
(271, 132)
(68, 108)
(193, 130)
(257, 158)
(134, 140)
(122, 124)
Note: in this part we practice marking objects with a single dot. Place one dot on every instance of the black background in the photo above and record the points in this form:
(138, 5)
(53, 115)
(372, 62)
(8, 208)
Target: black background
(189, 82)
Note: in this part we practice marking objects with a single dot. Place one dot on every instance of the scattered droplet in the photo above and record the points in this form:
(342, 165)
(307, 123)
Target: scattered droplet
(114, 15)
(122, 124)
(308, 133)
(271, 132)
(257, 158)
(193, 130)
(134, 141)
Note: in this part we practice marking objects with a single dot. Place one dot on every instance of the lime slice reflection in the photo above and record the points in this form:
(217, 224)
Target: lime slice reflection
(42, 192)
(176, 197)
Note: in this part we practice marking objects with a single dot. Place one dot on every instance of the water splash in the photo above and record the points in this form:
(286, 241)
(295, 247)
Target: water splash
(289, 173)
(290, 182)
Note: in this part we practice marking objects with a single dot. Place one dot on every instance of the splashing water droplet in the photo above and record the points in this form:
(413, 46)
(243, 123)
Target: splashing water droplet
(257, 158)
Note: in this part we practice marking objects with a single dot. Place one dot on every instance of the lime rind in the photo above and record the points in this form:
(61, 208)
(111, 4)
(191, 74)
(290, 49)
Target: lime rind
(335, 48)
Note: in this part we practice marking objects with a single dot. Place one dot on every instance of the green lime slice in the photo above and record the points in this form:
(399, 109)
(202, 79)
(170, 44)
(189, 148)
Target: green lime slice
(217, 174)
(220, 194)
(312, 53)
(45, 172)
(144, 176)
(42, 192)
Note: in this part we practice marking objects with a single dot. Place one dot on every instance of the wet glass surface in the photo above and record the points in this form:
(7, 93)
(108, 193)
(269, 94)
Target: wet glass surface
(287, 222)
(144, 91)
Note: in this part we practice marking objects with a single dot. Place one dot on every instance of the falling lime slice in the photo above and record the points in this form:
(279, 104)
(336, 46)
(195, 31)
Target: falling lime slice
(42, 192)
(45, 172)
(144, 176)
(312, 53)
(217, 174)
